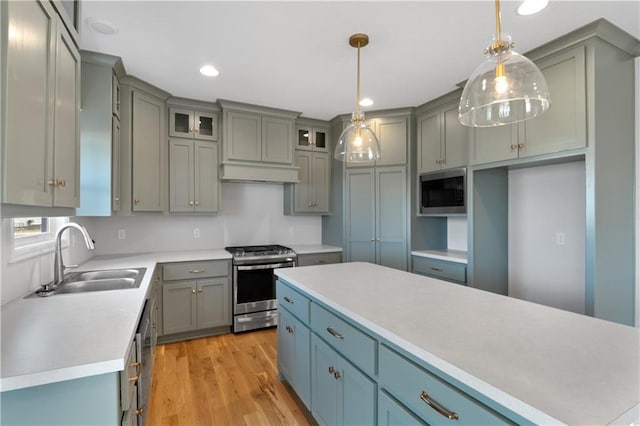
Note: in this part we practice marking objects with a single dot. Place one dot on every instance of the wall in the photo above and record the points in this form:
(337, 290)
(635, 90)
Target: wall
(547, 235)
(251, 213)
(637, 60)
(457, 233)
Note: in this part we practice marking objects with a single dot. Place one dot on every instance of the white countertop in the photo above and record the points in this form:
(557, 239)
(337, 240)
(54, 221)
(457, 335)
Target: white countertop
(68, 336)
(314, 248)
(458, 256)
(549, 366)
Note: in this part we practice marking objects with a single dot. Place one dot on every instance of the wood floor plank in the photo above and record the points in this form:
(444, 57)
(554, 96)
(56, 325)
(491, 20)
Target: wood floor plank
(222, 380)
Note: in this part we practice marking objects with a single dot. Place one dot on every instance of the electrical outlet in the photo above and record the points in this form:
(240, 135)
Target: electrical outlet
(291, 230)
(196, 232)
(560, 238)
(122, 234)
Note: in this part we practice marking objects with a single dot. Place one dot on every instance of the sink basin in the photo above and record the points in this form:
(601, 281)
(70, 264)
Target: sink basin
(104, 280)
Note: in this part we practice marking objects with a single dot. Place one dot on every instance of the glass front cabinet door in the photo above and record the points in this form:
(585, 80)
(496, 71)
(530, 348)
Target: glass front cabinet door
(312, 138)
(184, 123)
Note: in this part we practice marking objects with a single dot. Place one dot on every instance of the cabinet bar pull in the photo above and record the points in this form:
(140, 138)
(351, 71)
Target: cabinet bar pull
(451, 415)
(196, 271)
(335, 333)
(288, 300)
(133, 379)
(433, 268)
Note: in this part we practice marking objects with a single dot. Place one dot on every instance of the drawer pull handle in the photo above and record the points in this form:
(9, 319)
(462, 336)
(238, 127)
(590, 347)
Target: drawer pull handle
(320, 262)
(335, 333)
(196, 271)
(451, 415)
(289, 329)
(133, 379)
(288, 300)
(433, 268)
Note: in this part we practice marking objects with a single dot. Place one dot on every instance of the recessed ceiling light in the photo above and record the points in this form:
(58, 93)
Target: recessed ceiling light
(101, 26)
(365, 102)
(209, 71)
(529, 7)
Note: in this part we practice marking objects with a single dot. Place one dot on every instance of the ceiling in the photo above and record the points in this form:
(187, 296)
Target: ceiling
(295, 55)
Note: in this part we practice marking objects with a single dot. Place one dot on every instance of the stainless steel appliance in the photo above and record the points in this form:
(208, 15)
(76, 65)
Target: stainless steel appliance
(145, 358)
(443, 193)
(254, 285)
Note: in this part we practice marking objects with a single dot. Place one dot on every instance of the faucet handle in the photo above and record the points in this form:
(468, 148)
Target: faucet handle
(70, 266)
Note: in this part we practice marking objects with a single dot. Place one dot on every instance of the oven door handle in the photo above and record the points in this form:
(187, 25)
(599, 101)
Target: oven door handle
(265, 266)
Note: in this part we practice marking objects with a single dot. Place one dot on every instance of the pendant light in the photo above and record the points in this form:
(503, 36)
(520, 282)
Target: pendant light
(357, 142)
(504, 89)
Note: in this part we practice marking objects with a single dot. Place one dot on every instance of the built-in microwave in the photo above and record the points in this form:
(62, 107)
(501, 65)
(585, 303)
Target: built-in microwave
(443, 193)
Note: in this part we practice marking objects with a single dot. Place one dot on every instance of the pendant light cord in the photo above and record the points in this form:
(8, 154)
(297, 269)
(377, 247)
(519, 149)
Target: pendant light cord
(498, 24)
(358, 83)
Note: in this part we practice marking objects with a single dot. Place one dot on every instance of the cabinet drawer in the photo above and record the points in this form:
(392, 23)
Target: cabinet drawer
(410, 383)
(319, 258)
(450, 271)
(195, 270)
(129, 378)
(353, 344)
(293, 301)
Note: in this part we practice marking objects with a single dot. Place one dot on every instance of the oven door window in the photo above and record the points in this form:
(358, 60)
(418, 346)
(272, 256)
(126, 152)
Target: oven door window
(255, 285)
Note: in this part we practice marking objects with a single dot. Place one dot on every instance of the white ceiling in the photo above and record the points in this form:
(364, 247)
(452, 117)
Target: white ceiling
(295, 55)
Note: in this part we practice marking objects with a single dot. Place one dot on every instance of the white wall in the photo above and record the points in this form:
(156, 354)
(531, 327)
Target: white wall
(637, 60)
(544, 202)
(457, 233)
(251, 213)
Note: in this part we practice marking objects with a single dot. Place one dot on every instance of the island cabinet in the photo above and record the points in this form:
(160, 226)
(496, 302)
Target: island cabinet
(563, 127)
(443, 142)
(258, 143)
(100, 135)
(443, 269)
(41, 125)
(196, 300)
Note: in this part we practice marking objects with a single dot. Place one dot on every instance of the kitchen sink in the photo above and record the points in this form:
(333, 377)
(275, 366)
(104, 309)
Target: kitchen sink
(103, 280)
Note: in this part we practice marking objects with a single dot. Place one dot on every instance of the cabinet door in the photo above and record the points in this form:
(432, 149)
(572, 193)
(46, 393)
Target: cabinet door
(66, 155)
(358, 396)
(206, 177)
(115, 164)
(321, 140)
(213, 302)
(326, 389)
(303, 191)
(391, 217)
(146, 138)
(179, 309)
(244, 136)
(115, 96)
(302, 361)
(205, 125)
(391, 413)
(181, 123)
(564, 125)
(429, 142)
(29, 110)
(277, 140)
(181, 175)
(360, 225)
(392, 135)
(321, 182)
(493, 143)
(285, 346)
(304, 138)
(371, 124)
(455, 140)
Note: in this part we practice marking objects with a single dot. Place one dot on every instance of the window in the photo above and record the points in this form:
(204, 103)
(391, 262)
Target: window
(29, 227)
(32, 236)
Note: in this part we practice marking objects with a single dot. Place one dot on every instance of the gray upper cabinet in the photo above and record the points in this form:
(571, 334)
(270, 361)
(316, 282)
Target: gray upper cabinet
(563, 127)
(100, 135)
(258, 143)
(186, 123)
(376, 216)
(392, 135)
(311, 194)
(42, 109)
(193, 176)
(442, 140)
(312, 138)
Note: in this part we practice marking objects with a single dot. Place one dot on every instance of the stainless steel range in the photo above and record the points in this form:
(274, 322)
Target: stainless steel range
(254, 285)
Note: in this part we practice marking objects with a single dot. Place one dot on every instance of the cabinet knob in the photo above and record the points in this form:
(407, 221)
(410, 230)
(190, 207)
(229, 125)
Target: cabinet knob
(197, 203)
(62, 183)
(117, 199)
(309, 205)
(513, 146)
(136, 201)
(139, 411)
(520, 145)
(331, 369)
(193, 291)
(190, 203)
(336, 375)
(199, 290)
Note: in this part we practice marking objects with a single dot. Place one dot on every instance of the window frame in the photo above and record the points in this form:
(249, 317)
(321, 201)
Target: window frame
(37, 245)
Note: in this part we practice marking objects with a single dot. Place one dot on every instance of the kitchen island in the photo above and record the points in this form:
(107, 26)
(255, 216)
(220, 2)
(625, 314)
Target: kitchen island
(518, 361)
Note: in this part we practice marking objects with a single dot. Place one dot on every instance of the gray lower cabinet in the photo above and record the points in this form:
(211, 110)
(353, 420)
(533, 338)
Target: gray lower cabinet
(193, 176)
(311, 194)
(196, 297)
(563, 127)
(376, 216)
(42, 106)
(319, 258)
(442, 269)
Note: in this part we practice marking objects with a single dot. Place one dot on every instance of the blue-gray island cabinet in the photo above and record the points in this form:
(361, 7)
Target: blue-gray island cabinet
(376, 345)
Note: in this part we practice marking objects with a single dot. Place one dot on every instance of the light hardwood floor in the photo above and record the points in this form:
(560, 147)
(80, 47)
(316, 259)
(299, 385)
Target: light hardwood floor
(222, 380)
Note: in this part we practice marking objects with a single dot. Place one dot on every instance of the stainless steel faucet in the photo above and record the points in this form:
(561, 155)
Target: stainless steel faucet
(58, 265)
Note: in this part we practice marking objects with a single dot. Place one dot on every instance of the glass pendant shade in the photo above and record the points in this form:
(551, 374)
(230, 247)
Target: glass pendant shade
(357, 142)
(504, 89)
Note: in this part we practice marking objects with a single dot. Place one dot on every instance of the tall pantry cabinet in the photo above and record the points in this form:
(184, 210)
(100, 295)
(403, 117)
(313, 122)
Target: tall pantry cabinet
(376, 200)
